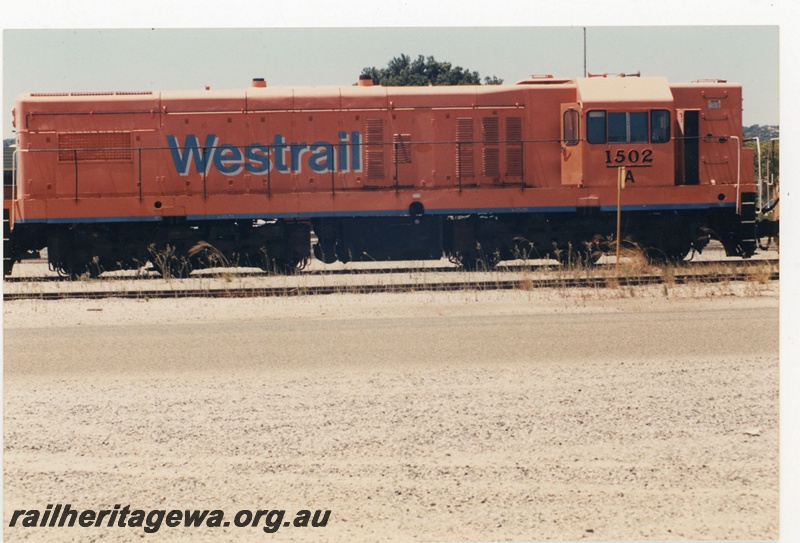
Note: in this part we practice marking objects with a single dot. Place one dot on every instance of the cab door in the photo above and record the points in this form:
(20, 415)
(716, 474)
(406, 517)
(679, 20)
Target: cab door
(572, 146)
(688, 152)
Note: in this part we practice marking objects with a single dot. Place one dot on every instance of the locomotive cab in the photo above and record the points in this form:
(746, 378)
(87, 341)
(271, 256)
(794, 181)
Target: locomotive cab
(625, 121)
(680, 145)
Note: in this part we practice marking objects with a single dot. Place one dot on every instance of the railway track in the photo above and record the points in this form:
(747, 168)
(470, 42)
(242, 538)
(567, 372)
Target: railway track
(184, 289)
(151, 275)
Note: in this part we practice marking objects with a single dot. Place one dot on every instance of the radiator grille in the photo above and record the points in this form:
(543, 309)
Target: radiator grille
(491, 161)
(491, 151)
(373, 149)
(491, 129)
(95, 147)
(514, 147)
(514, 162)
(514, 129)
(84, 93)
(465, 152)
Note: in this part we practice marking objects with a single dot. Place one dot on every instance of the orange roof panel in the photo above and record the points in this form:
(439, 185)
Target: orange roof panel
(596, 91)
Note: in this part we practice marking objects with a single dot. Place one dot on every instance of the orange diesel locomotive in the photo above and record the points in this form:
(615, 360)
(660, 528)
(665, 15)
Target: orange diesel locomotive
(109, 181)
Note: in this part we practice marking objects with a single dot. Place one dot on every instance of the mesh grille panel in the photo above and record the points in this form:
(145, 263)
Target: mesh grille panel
(491, 161)
(514, 146)
(374, 149)
(95, 147)
(491, 129)
(465, 155)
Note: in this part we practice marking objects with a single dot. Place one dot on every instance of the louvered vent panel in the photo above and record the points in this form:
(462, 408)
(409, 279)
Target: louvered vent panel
(104, 93)
(491, 129)
(491, 152)
(374, 149)
(95, 147)
(92, 93)
(491, 161)
(514, 147)
(402, 148)
(514, 162)
(514, 129)
(465, 151)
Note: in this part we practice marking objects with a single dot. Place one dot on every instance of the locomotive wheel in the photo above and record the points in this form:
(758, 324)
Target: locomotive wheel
(325, 252)
(173, 266)
(281, 267)
(595, 249)
(667, 255)
(91, 270)
(468, 262)
(344, 252)
(76, 270)
(478, 261)
(177, 268)
(567, 258)
(277, 265)
(204, 255)
(170, 261)
(573, 256)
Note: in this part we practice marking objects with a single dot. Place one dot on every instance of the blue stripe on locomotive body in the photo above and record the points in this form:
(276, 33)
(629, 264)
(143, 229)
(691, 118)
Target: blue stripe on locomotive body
(95, 220)
(669, 207)
(388, 213)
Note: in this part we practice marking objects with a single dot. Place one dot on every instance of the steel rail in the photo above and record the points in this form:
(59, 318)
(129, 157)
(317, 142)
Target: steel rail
(206, 273)
(498, 284)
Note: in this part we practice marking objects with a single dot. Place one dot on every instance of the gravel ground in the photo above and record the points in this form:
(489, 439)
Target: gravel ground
(622, 414)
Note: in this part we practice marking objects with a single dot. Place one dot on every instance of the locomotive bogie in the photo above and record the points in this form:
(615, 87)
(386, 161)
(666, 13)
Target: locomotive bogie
(176, 247)
(474, 173)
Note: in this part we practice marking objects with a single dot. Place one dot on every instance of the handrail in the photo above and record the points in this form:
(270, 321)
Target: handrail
(770, 180)
(738, 173)
(394, 181)
(458, 164)
(140, 173)
(760, 182)
(13, 205)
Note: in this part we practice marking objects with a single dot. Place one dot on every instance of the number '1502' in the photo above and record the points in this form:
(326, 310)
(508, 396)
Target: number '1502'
(632, 157)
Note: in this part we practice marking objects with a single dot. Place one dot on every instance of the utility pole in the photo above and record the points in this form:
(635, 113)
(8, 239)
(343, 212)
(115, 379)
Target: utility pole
(584, 51)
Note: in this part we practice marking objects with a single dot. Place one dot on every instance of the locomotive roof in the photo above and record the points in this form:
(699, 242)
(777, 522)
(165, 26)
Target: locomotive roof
(592, 91)
(278, 98)
(602, 90)
(350, 96)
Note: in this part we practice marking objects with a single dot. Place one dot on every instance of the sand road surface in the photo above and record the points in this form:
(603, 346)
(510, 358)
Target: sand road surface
(462, 416)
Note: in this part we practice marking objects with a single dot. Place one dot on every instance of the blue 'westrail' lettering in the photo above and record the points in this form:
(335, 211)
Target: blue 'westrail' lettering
(343, 155)
(191, 150)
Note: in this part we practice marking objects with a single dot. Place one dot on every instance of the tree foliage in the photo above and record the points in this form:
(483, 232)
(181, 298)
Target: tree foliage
(402, 71)
(764, 132)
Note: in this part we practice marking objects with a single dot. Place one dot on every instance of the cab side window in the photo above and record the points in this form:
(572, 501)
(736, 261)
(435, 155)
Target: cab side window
(659, 126)
(571, 127)
(628, 126)
(596, 127)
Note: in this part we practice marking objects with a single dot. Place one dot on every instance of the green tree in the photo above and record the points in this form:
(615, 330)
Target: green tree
(420, 72)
